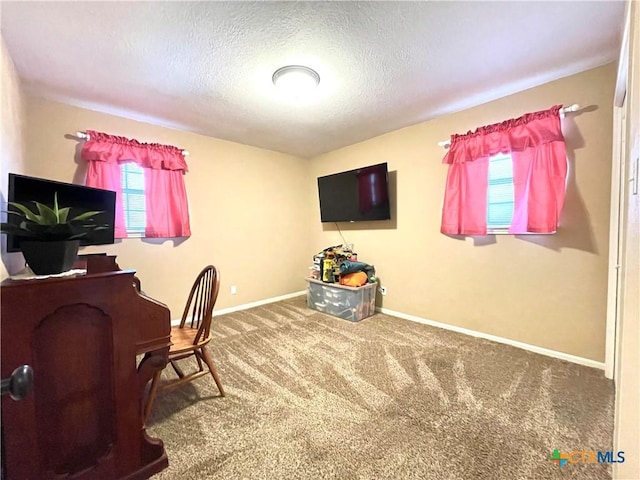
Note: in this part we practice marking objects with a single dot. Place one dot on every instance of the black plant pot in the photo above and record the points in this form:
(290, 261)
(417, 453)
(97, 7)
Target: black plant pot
(46, 258)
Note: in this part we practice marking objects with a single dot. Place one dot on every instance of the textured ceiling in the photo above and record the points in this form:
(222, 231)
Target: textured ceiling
(206, 67)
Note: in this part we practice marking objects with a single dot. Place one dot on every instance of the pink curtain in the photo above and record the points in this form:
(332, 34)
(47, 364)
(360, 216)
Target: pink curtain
(167, 214)
(465, 201)
(107, 176)
(537, 149)
(167, 210)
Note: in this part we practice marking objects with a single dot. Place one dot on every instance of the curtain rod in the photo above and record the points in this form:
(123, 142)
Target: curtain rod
(571, 108)
(86, 136)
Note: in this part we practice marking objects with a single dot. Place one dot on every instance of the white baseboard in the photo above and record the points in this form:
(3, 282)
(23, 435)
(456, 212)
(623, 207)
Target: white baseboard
(245, 306)
(525, 346)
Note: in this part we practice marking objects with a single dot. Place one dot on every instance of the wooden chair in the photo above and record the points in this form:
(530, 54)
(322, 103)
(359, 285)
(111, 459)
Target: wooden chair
(191, 337)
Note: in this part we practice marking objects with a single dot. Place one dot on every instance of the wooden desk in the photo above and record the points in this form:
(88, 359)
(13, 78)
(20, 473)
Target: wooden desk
(83, 419)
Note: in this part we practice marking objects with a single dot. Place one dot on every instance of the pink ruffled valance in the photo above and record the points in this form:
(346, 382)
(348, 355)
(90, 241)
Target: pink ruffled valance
(114, 149)
(515, 135)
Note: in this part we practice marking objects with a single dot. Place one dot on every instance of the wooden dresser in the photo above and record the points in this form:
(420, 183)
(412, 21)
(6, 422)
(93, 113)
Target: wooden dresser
(83, 337)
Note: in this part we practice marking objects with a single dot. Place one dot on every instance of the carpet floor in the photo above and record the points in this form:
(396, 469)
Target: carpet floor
(311, 396)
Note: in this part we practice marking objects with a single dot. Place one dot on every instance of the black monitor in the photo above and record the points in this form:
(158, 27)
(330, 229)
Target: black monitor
(356, 195)
(24, 189)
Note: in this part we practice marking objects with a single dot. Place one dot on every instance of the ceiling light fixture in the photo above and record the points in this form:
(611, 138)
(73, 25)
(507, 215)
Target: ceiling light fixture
(296, 80)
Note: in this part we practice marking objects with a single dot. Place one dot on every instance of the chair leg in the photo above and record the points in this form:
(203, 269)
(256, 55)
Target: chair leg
(212, 368)
(152, 395)
(200, 367)
(176, 369)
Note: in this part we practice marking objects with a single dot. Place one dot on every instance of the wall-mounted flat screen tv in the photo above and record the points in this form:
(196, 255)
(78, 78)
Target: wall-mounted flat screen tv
(78, 197)
(356, 195)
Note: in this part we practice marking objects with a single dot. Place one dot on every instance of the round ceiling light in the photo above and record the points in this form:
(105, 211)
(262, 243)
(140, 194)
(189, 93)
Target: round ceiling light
(296, 80)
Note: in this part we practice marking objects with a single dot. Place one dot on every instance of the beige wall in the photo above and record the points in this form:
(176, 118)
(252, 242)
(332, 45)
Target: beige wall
(627, 421)
(548, 291)
(249, 215)
(11, 143)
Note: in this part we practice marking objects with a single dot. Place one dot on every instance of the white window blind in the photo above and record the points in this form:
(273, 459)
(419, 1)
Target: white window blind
(133, 198)
(500, 199)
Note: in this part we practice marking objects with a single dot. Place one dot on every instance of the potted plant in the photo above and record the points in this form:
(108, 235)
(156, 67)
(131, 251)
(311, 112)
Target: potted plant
(49, 239)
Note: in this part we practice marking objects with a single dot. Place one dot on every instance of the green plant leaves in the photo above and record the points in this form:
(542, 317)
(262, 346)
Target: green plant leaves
(85, 215)
(26, 212)
(50, 223)
(47, 215)
(63, 213)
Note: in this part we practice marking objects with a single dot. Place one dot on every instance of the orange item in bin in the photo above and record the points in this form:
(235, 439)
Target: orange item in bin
(356, 279)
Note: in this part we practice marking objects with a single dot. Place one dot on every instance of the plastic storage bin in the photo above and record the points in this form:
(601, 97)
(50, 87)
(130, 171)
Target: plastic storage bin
(350, 303)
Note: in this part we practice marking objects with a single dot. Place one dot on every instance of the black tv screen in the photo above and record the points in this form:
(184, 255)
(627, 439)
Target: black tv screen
(78, 197)
(355, 195)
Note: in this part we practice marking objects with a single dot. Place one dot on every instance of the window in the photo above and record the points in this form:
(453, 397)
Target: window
(519, 193)
(133, 199)
(500, 194)
(153, 202)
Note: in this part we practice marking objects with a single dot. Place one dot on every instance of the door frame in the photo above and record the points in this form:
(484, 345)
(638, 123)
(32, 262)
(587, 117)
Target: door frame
(616, 226)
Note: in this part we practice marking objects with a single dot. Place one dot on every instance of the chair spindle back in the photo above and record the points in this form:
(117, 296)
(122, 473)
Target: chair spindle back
(198, 311)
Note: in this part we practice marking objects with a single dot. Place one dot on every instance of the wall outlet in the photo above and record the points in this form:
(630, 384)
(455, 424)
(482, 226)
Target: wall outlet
(234, 290)
(383, 290)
